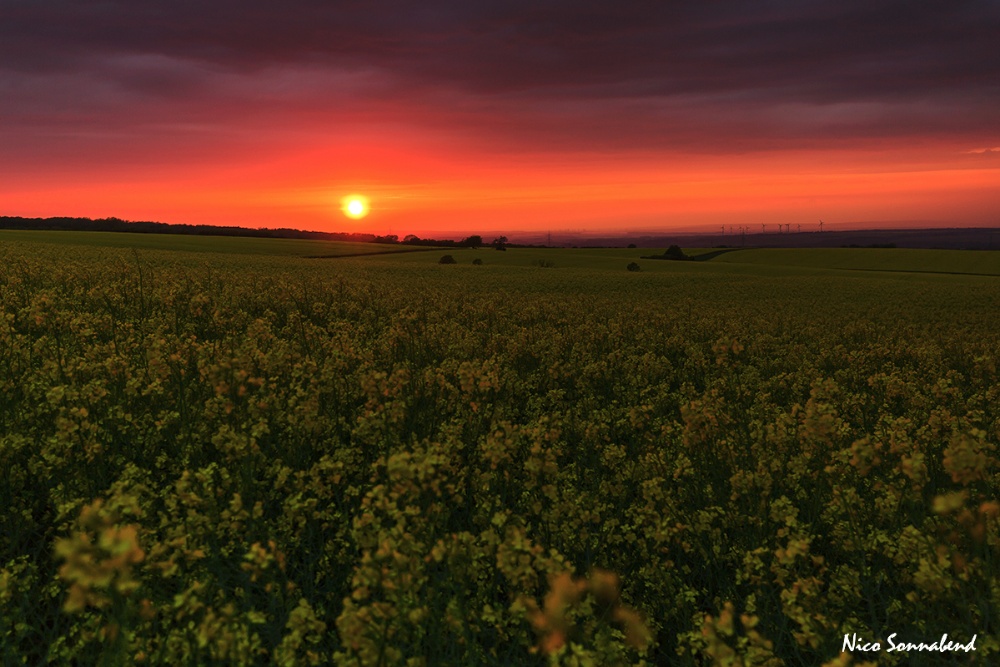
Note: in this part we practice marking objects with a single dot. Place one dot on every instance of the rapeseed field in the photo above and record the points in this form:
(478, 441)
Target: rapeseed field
(236, 459)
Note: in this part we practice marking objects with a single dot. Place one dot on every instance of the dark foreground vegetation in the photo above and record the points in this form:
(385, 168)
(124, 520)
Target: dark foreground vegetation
(242, 460)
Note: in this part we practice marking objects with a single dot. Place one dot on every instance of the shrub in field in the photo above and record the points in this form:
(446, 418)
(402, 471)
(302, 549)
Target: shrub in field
(674, 252)
(545, 263)
(633, 266)
(477, 261)
(447, 259)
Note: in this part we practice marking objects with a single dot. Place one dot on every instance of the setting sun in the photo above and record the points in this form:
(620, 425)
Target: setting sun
(355, 206)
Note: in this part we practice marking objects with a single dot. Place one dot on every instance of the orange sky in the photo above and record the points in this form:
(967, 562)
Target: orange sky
(413, 190)
(525, 127)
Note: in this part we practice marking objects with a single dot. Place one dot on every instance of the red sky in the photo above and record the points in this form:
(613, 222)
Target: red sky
(502, 117)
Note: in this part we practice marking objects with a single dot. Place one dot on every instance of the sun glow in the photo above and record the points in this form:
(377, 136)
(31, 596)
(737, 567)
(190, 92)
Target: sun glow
(354, 206)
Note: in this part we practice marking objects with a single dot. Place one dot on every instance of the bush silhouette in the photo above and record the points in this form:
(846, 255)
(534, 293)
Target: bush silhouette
(632, 266)
(477, 261)
(674, 252)
(447, 259)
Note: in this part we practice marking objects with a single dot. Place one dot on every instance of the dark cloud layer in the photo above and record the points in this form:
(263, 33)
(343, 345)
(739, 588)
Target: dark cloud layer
(822, 49)
(708, 68)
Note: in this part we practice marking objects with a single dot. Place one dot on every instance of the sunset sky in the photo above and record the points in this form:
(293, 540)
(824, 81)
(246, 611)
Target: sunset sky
(457, 117)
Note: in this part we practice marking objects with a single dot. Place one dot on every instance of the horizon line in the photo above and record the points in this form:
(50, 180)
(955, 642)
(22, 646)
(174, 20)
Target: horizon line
(746, 229)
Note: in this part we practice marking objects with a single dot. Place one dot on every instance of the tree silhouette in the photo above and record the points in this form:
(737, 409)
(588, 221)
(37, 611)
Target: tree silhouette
(674, 252)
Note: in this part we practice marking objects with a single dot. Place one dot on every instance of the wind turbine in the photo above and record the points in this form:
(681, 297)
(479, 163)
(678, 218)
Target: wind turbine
(820, 226)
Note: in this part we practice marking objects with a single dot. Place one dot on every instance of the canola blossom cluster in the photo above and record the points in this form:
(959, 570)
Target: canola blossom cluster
(250, 460)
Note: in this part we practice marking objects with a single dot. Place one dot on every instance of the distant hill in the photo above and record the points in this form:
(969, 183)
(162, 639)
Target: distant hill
(975, 238)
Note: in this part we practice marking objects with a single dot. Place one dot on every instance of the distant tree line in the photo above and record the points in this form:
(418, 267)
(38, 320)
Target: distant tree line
(119, 225)
(473, 241)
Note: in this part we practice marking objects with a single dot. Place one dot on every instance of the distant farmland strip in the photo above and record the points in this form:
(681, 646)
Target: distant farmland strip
(233, 245)
(898, 260)
(366, 254)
